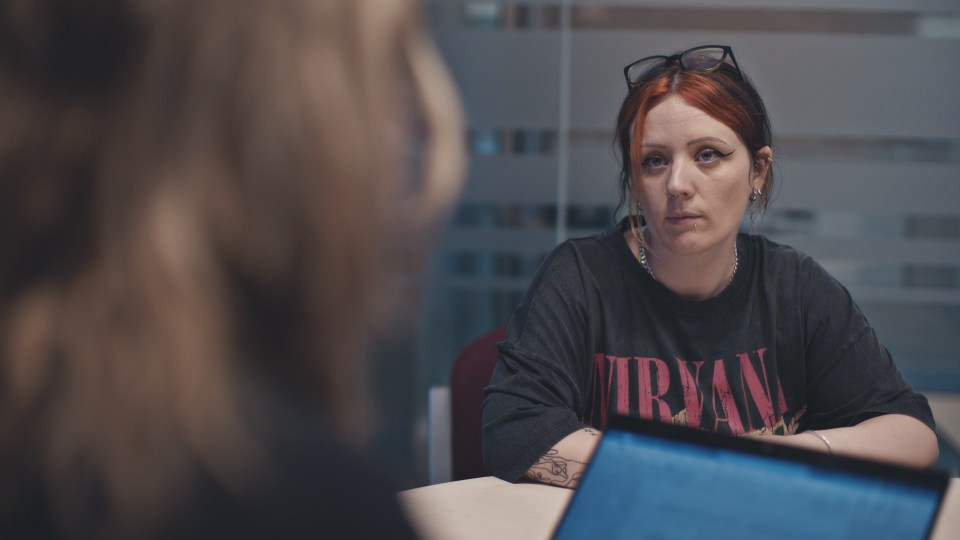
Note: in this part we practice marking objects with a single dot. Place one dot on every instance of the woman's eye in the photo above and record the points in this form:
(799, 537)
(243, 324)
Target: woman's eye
(708, 154)
(653, 161)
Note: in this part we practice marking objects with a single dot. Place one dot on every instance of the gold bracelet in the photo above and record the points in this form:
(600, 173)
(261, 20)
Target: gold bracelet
(823, 438)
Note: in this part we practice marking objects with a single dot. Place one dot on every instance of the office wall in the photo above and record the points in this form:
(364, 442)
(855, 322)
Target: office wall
(863, 97)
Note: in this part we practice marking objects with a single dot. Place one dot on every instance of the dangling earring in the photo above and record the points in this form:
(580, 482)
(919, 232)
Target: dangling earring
(641, 219)
(755, 194)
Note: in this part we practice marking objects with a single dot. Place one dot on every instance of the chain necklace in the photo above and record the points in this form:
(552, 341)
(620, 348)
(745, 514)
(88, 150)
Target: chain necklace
(643, 262)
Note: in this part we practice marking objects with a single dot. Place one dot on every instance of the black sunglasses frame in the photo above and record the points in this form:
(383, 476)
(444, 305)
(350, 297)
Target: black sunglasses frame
(668, 60)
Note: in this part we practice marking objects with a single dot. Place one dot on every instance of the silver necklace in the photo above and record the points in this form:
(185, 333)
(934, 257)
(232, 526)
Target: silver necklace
(643, 262)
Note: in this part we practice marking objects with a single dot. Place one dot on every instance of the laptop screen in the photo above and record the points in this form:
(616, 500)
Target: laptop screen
(651, 480)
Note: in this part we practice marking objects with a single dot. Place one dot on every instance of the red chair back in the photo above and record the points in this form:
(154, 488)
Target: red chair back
(470, 375)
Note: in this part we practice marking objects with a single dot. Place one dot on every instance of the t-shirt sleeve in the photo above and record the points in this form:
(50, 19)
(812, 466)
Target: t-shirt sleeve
(851, 377)
(537, 387)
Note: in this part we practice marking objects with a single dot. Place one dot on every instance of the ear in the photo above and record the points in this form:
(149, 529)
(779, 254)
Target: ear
(762, 161)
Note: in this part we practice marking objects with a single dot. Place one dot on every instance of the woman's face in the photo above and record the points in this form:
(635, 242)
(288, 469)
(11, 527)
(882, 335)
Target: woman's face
(694, 180)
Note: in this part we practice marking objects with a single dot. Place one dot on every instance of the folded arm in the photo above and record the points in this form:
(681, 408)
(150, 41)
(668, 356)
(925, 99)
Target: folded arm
(894, 438)
(564, 464)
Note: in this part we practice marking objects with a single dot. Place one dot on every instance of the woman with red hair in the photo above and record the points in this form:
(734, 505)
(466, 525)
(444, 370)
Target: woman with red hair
(675, 315)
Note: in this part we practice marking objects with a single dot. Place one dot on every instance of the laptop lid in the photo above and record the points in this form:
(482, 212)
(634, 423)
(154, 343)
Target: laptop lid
(659, 481)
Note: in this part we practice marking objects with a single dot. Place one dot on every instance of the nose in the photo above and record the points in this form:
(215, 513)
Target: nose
(678, 180)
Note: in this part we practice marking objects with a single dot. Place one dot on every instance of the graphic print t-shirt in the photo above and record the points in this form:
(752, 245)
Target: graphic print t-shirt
(783, 348)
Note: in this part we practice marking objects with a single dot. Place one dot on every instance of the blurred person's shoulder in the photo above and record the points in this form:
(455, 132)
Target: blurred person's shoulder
(315, 487)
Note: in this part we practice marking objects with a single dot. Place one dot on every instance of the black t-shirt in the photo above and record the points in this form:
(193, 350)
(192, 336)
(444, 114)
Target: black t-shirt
(782, 349)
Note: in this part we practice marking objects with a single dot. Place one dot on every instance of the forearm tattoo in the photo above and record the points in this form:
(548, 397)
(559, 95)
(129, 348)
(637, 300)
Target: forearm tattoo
(557, 470)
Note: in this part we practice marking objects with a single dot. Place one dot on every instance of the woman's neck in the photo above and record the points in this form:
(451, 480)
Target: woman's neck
(692, 277)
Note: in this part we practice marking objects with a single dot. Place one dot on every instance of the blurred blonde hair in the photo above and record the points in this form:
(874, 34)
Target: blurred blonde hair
(198, 201)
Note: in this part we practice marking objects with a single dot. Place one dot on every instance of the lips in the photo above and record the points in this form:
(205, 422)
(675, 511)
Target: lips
(683, 219)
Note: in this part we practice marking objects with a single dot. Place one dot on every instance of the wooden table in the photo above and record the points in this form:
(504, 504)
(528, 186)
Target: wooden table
(488, 507)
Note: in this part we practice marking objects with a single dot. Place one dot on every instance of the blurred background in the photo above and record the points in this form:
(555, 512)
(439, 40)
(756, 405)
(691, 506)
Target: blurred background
(863, 97)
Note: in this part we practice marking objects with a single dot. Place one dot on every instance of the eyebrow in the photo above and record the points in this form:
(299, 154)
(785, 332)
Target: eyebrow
(707, 139)
(694, 142)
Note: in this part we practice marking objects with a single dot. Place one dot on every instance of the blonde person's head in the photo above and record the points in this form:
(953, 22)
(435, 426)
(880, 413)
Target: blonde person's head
(201, 201)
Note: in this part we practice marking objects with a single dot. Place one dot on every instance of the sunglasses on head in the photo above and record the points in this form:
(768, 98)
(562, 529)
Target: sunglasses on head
(703, 58)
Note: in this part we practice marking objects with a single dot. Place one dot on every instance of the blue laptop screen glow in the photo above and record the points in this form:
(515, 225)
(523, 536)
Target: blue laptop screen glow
(641, 486)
